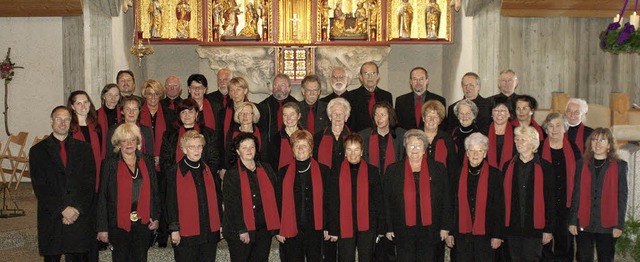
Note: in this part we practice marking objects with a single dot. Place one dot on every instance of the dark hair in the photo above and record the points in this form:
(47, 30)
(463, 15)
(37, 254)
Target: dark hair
(426, 74)
(393, 118)
(127, 99)
(497, 101)
(198, 78)
(185, 104)
(474, 75)
(353, 138)
(242, 136)
(92, 116)
(533, 103)
(59, 108)
(601, 132)
(126, 72)
(370, 63)
(311, 79)
(106, 89)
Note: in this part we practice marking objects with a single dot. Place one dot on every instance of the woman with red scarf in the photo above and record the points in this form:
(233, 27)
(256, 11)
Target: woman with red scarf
(194, 204)
(303, 202)
(251, 210)
(128, 204)
(599, 202)
(417, 201)
(465, 111)
(85, 126)
(238, 90)
(356, 211)
(382, 143)
(281, 153)
(109, 113)
(563, 154)
(245, 117)
(525, 107)
(500, 133)
(131, 114)
(478, 206)
(529, 194)
(155, 115)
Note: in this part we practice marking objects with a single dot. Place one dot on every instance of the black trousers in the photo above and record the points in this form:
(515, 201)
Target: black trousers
(385, 250)
(132, 245)
(363, 241)
(474, 248)
(163, 229)
(561, 247)
(329, 251)
(605, 245)
(414, 244)
(307, 244)
(525, 249)
(69, 257)
(257, 249)
(205, 252)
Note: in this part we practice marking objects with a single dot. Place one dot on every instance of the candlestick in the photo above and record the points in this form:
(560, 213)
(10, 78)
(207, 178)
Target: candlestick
(635, 20)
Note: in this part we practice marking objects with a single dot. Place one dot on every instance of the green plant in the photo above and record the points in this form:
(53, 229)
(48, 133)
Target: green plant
(628, 245)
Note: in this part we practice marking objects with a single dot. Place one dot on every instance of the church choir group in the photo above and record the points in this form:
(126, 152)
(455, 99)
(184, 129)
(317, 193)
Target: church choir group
(338, 178)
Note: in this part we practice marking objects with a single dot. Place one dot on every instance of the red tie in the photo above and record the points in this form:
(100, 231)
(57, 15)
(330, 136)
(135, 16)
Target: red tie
(63, 153)
(311, 120)
(280, 114)
(372, 101)
(224, 101)
(418, 110)
(171, 106)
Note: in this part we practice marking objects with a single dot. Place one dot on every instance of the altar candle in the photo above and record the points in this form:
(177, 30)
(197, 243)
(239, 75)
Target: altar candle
(618, 19)
(635, 20)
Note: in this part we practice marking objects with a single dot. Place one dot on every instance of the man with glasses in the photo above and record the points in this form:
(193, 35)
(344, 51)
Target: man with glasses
(507, 84)
(313, 112)
(271, 107)
(127, 84)
(207, 109)
(339, 82)
(364, 97)
(173, 91)
(471, 90)
(409, 106)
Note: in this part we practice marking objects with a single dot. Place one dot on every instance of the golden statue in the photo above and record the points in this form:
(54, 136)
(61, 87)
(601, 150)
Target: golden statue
(251, 21)
(183, 14)
(231, 12)
(155, 13)
(405, 17)
(325, 8)
(361, 19)
(432, 14)
(337, 29)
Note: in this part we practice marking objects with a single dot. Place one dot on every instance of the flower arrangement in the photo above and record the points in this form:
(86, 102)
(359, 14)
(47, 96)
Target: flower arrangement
(7, 72)
(620, 40)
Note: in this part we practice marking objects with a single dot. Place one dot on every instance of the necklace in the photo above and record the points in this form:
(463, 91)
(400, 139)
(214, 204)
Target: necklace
(598, 166)
(192, 167)
(307, 169)
(136, 176)
(474, 173)
(465, 132)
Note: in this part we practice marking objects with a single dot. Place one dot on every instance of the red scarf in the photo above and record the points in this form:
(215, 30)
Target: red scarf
(466, 224)
(325, 152)
(579, 137)
(268, 195)
(256, 133)
(188, 212)
(569, 160)
(410, 194)
(289, 223)
(374, 148)
(609, 204)
(441, 152)
(181, 131)
(207, 113)
(346, 200)
(286, 153)
(124, 193)
(104, 127)
(538, 195)
(507, 146)
(161, 126)
(95, 147)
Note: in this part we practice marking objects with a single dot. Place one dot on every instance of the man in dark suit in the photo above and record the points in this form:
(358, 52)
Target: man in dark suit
(339, 82)
(173, 91)
(63, 175)
(271, 107)
(363, 98)
(507, 84)
(409, 106)
(471, 90)
(221, 96)
(127, 84)
(313, 112)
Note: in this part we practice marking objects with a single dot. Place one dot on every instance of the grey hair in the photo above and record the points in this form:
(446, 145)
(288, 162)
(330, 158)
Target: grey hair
(418, 134)
(476, 138)
(554, 116)
(466, 102)
(339, 101)
(582, 104)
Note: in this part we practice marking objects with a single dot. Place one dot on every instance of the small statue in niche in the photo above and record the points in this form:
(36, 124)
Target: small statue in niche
(251, 21)
(324, 18)
(263, 13)
(155, 13)
(339, 17)
(231, 12)
(405, 17)
(183, 14)
(432, 17)
(361, 19)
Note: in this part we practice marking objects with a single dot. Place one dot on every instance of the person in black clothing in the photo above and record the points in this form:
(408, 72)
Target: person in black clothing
(194, 204)
(221, 96)
(356, 215)
(529, 190)
(365, 96)
(131, 114)
(313, 112)
(128, 204)
(281, 153)
(409, 106)
(303, 196)
(271, 107)
(109, 114)
(471, 90)
(375, 140)
(417, 201)
(238, 90)
(207, 109)
(251, 210)
(173, 92)
(478, 206)
(525, 107)
(127, 84)
(507, 84)
(339, 82)
(576, 111)
(329, 143)
(465, 112)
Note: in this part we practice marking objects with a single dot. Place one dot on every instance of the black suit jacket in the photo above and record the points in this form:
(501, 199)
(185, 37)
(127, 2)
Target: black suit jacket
(359, 99)
(165, 102)
(320, 115)
(57, 187)
(328, 98)
(406, 106)
(269, 116)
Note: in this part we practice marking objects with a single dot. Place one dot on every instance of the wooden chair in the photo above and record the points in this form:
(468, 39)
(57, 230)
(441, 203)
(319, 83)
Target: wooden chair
(17, 144)
(21, 168)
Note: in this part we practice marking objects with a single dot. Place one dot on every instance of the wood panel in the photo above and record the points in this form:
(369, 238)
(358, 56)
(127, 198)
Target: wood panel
(26, 8)
(572, 8)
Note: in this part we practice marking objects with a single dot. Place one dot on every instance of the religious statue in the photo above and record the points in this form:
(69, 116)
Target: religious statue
(324, 18)
(183, 14)
(361, 19)
(432, 17)
(155, 13)
(263, 13)
(337, 29)
(251, 21)
(405, 17)
(231, 12)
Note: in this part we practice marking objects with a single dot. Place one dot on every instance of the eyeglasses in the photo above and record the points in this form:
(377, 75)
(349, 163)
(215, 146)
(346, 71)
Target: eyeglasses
(312, 91)
(152, 95)
(339, 77)
(500, 112)
(369, 74)
(129, 141)
(197, 87)
(415, 146)
(418, 79)
(574, 113)
(130, 109)
(508, 80)
(195, 147)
